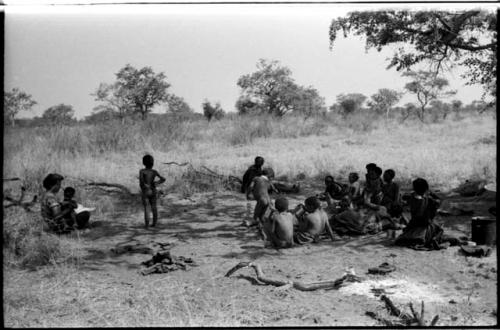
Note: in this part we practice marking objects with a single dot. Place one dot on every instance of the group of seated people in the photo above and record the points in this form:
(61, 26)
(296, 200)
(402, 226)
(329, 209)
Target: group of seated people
(350, 209)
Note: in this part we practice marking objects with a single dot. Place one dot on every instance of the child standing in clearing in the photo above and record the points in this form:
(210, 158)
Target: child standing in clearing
(148, 184)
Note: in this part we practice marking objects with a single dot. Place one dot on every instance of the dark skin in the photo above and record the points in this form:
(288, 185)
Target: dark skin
(56, 209)
(148, 184)
(315, 222)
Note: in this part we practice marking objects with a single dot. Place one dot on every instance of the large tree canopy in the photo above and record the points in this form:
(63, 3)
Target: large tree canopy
(135, 90)
(467, 38)
(271, 89)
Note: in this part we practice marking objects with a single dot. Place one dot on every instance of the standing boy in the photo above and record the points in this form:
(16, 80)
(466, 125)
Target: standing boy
(148, 184)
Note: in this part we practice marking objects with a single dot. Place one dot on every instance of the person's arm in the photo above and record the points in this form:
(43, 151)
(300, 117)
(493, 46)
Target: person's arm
(249, 189)
(162, 179)
(329, 230)
(329, 200)
(55, 208)
(273, 188)
(368, 203)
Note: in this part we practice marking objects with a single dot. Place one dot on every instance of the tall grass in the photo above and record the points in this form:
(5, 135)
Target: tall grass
(445, 152)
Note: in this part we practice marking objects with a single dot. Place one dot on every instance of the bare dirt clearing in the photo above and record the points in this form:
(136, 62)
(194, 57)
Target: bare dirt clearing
(106, 289)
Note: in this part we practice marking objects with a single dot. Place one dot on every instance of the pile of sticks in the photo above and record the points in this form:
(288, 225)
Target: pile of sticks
(207, 177)
(405, 319)
(27, 205)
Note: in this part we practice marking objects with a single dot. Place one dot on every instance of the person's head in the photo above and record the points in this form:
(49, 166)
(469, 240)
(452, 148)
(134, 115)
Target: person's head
(329, 180)
(265, 172)
(389, 175)
(370, 167)
(353, 177)
(52, 182)
(420, 186)
(312, 204)
(148, 161)
(377, 171)
(259, 161)
(281, 204)
(69, 192)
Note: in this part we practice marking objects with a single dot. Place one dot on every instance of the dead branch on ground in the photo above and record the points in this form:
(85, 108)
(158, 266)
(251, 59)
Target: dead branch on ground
(405, 318)
(19, 202)
(109, 185)
(295, 284)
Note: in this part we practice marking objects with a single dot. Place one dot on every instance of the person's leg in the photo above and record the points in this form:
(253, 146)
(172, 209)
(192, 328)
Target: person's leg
(82, 219)
(145, 203)
(154, 209)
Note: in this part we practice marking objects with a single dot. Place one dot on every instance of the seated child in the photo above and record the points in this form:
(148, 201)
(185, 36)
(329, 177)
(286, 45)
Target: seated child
(69, 204)
(312, 222)
(334, 189)
(372, 194)
(279, 224)
(391, 198)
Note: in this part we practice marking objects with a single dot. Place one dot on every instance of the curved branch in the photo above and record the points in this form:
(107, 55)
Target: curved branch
(297, 285)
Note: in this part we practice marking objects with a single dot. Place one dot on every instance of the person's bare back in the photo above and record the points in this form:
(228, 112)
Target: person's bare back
(147, 182)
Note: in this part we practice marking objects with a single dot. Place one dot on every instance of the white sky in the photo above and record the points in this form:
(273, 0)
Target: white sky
(60, 54)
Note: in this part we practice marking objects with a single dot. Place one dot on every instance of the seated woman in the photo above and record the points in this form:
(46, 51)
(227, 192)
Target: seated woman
(422, 231)
(333, 189)
(51, 211)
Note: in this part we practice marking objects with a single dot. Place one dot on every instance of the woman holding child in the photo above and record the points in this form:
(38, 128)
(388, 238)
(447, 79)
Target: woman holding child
(59, 215)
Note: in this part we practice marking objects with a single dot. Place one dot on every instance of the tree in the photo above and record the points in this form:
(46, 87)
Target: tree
(382, 101)
(112, 99)
(59, 114)
(135, 90)
(177, 105)
(427, 87)
(308, 102)
(271, 89)
(349, 103)
(210, 111)
(14, 102)
(465, 38)
(440, 107)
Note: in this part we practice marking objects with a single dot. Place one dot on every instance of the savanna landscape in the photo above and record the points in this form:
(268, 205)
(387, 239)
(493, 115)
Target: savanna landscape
(92, 277)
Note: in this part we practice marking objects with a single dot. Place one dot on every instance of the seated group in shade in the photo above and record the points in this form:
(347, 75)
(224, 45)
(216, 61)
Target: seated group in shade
(350, 209)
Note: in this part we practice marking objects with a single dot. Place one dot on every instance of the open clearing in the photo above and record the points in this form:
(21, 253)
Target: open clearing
(106, 289)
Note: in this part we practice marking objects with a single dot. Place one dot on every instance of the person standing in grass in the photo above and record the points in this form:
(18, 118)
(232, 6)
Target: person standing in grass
(148, 184)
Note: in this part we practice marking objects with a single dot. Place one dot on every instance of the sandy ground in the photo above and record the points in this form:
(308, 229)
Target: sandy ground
(206, 227)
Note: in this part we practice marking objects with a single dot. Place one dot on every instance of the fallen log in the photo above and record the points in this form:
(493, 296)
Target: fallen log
(175, 163)
(110, 185)
(295, 284)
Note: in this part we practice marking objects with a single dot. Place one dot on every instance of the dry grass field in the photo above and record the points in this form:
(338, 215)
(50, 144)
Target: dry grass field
(76, 280)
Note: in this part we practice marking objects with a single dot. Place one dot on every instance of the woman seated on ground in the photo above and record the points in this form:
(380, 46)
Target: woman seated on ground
(57, 219)
(422, 232)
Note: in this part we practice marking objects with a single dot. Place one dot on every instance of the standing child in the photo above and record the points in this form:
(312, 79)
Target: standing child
(148, 184)
(391, 198)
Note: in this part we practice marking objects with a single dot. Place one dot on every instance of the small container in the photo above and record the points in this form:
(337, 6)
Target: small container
(483, 230)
